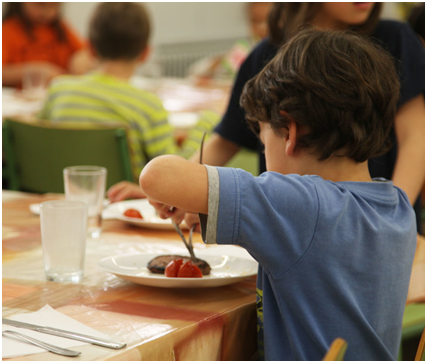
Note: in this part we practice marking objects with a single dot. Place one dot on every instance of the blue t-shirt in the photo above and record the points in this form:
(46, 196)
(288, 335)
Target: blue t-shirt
(335, 259)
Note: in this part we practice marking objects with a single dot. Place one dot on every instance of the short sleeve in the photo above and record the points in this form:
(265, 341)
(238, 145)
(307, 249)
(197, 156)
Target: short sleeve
(267, 214)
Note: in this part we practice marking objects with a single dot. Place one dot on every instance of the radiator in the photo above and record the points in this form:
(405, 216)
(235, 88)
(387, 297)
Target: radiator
(174, 59)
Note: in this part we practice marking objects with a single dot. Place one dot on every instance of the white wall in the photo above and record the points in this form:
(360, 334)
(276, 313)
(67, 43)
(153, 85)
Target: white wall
(186, 21)
(177, 21)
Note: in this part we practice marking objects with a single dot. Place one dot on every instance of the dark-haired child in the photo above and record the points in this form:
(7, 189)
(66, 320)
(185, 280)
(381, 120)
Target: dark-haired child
(119, 35)
(335, 247)
(36, 39)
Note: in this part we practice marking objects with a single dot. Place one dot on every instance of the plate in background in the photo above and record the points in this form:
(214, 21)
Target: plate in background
(148, 212)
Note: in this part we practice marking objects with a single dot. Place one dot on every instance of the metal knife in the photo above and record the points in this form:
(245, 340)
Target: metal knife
(65, 334)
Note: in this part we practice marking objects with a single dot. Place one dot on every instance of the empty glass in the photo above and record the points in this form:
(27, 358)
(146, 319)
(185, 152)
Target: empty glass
(34, 83)
(63, 230)
(87, 184)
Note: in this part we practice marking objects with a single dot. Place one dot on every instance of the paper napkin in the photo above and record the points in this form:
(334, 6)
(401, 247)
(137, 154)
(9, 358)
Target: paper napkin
(46, 316)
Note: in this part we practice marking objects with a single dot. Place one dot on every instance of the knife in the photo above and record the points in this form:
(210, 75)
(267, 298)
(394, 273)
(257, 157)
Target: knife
(65, 334)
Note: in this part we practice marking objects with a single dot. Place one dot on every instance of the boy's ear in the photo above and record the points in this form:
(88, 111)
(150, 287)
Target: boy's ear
(291, 139)
(144, 54)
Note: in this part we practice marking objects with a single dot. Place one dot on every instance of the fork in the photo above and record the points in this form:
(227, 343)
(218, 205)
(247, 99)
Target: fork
(189, 244)
(51, 348)
(201, 148)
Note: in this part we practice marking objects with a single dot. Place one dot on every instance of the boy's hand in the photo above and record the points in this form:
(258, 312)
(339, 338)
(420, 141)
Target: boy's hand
(191, 219)
(124, 190)
(166, 211)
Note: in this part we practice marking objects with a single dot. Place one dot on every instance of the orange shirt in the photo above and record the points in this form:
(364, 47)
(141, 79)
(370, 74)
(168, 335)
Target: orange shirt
(19, 48)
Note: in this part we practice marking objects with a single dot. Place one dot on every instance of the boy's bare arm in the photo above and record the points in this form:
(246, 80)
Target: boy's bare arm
(217, 151)
(172, 180)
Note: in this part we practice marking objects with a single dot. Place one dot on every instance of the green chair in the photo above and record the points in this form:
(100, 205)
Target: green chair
(413, 320)
(36, 154)
(413, 323)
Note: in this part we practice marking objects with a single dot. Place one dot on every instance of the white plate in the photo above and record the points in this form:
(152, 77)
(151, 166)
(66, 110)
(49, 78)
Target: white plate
(35, 207)
(150, 218)
(225, 270)
(183, 120)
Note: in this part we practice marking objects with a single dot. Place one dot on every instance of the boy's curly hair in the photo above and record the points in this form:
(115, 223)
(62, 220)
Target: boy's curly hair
(341, 86)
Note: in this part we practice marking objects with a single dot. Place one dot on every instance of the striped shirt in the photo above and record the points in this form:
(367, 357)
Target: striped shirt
(102, 98)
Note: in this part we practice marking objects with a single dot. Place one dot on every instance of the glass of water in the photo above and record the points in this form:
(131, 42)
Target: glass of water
(63, 229)
(87, 183)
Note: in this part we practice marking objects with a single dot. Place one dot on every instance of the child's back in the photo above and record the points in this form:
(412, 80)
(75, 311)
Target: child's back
(335, 260)
(101, 98)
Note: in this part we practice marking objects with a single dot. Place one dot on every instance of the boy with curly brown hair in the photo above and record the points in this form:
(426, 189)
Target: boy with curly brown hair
(334, 247)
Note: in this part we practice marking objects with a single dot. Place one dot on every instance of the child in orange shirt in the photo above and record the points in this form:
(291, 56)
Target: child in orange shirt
(36, 38)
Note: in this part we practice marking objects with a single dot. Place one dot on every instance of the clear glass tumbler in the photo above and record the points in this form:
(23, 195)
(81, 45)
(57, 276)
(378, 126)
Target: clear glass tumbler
(63, 229)
(87, 184)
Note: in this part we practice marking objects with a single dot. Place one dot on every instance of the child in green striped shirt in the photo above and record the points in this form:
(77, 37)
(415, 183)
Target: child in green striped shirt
(118, 35)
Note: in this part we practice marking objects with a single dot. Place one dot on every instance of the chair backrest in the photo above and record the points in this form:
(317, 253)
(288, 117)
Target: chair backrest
(336, 350)
(37, 154)
(421, 347)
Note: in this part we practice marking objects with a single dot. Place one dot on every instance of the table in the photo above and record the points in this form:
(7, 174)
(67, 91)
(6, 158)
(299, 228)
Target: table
(157, 324)
(178, 95)
(187, 95)
(183, 98)
(15, 104)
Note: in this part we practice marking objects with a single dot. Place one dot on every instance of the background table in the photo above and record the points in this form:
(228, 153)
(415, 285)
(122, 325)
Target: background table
(156, 323)
(178, 95)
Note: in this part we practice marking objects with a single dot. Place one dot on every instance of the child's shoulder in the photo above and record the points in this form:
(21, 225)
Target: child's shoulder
(380, 190)
(11, 22)
(393, 26)
(67, 79)
(142, 89)
(12, 26)
(392, 31)
(147, 96)
(272, 184)
(146, 99)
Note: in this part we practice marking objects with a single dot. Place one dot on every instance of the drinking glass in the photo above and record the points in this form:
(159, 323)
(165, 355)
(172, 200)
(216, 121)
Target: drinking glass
(34, 83)
(63, 229)
(87, 184)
